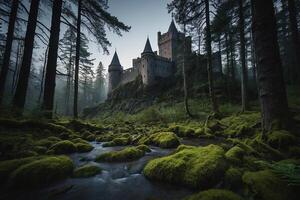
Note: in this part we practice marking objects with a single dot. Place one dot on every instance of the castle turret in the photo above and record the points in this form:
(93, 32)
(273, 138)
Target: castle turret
(148, 64)
(115, 73)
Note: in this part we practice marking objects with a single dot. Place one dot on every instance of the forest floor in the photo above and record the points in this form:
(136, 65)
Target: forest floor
(155, 154)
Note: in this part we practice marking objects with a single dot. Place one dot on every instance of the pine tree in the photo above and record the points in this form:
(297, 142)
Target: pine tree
(271, 86)
(20, 95)
(52, 59)
(8, 47)
(99, 84)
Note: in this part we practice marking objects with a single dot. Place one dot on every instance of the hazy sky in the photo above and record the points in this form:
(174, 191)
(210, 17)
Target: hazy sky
(146, 18)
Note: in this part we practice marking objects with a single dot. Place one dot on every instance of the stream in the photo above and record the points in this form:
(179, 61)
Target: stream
(117, 181)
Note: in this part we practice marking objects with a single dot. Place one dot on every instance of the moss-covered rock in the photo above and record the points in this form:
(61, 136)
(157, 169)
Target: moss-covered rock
(265, 185)
(83, 147)
(233, 178)
(193, 166)
(42, 172)
(240, 125)
(144, 148)
(48, 142)
(215, 194)
(86, 171)
(79, 140)
(120, 141)
(63, 147)
(294, 151)
(280, 139)
(182, 131)
(164, 140)
(40, 149)
(235, 154)
(127, 154)
(105, 138)
(8, 166)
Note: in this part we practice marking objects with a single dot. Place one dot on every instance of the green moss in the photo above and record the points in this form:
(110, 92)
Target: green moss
(122, 141)
(182, 131)
(42, 172)
(8, 166)
(204, 132)
(164, 140)
(40, 149)
(190, 166)
(79, 140)
(84, 147)
(215, 194)
(86, 171)
(105, 138)
(63, 147)
(127, 154)
(233, 178)
(235, 154)
(265, 185)
(280, 139)
(240, 125)
(265, 150)
(48, 142)
(143, 139)
(144, 148)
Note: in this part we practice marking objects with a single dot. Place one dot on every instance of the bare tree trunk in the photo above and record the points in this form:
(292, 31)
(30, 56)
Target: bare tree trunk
(209, 60)
(43, 74)
(20, 95)
(186, 104)
(244, 74)
(8, 46)
(271, 86)
(228, 67)
(75, 108)
(50, 78)
(68, 88)
(295, 33)
(16, 68)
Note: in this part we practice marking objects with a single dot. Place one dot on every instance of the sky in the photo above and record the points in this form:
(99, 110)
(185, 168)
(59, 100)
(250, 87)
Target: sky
(146, 18)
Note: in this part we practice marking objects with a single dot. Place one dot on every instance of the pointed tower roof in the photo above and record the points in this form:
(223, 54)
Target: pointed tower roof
(148, 48)
(115, 63)
(172, 28)
(115, 60)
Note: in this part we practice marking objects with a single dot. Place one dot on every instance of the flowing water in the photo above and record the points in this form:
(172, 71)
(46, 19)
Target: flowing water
(117, 181)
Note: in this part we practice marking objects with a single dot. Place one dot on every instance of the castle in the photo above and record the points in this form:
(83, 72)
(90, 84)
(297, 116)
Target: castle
(151, 66)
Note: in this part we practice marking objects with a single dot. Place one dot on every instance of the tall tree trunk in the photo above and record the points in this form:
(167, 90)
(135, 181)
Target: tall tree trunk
(295, 33)
(271, 86)
(244, 74)
(228, 66)
(43, 74)
(68, 86)
(52, 59)
(75, 108)
(8, 46)
(232, 59)
(209, 60)
(186, 105)
(20, 95)
(16, 68)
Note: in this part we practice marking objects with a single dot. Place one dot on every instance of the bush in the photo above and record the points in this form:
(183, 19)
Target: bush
(42, 172)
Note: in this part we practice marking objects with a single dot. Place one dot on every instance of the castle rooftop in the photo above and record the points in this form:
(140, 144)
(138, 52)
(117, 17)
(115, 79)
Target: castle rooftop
(148, 48)
(172, 28)
(115, 63)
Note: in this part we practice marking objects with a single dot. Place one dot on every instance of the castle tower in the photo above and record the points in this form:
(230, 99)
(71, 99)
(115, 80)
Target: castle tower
(115, 73)
(170, 44)
(147, 64)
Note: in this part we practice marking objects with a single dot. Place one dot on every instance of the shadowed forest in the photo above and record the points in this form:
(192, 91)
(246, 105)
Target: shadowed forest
(214, 114)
